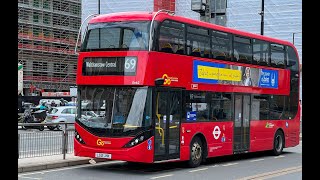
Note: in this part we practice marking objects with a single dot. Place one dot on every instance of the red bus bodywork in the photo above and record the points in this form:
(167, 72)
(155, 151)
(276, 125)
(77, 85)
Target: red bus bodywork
(153, 65)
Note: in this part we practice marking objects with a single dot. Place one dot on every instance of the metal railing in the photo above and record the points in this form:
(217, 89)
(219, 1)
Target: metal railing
(33, 142)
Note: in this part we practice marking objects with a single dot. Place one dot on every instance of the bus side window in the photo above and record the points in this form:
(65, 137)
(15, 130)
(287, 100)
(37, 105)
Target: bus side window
(221, 107)
(171, 38)
(242, 49)
(197, 106)
(206, 53)
(221, 45)
(167, 48)
(196, 52)
(180, 50)
(277, 55)
(260, 52)
(219, 55)
(198, 41)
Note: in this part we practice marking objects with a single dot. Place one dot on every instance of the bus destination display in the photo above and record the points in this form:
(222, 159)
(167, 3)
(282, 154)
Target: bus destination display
(97, 66)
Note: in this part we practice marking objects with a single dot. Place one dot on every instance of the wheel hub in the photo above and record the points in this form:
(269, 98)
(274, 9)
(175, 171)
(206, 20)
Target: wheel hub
(279, 143)
(196, 152)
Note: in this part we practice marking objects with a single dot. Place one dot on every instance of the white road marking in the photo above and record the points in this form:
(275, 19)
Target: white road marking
(279, 157)
(28, 177)
(256, 160)
(230, 164)
(73, 167)
(162, 176)
(198, 170)
(273, 174)
(215, 165)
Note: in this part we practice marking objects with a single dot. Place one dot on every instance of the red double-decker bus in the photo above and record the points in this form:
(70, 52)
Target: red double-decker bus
(155, 87)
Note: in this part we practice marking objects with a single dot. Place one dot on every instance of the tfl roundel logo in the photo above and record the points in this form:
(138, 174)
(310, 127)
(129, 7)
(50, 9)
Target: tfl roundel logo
(216, 132)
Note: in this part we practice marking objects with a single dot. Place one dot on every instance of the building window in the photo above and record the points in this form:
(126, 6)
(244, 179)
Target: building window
(36, 31)
(46, 19)
(36, 3)
(60, 67)
(40, 68)
(75, 9)
(46, 33)
(220, 6)
(46, 4)
(24, 1)
(36, 18)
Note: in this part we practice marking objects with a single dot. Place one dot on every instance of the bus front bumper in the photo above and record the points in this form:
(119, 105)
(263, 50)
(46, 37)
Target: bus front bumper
(139, 153)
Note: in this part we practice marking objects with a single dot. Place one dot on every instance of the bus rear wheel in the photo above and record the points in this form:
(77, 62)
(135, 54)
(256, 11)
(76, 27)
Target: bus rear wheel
(278, 143)
(196, 152)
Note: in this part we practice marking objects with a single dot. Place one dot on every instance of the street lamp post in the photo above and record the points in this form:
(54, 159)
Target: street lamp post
(262, 17)
(98, 6)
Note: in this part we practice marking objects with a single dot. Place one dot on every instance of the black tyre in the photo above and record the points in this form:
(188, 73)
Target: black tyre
(278, 143)
(134, 164)
(196, 152)
(51, 127)
(41, 128)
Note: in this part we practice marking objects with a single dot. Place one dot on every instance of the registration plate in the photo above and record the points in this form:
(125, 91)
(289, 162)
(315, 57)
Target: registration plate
(103, 155)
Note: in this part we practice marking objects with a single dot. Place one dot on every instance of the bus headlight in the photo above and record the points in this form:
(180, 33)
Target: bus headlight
(138, 139)
(78, 137)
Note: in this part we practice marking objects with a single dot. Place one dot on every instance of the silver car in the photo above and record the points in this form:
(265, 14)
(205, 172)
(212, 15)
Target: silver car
(61, 114)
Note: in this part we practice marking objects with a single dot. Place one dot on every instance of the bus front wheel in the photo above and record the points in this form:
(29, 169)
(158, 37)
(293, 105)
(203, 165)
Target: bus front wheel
(196, 152)
(278, 143)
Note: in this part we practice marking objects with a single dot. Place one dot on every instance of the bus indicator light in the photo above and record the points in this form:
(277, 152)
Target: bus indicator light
(194, 86)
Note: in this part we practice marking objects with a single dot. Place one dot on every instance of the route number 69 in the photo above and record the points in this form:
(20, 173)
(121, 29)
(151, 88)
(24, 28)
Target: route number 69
(130, 63)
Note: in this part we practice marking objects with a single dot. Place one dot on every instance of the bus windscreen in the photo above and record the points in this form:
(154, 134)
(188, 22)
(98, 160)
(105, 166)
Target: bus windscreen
(118, 111)
(115, 36)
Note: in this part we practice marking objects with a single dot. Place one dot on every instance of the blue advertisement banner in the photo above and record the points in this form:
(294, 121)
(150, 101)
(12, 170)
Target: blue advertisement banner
(268, 78)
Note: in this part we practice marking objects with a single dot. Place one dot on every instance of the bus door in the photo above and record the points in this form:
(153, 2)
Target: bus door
(167, 116)
(241, 133)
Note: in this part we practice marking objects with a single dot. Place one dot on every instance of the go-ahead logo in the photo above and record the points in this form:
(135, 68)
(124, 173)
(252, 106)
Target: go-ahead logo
(168, 79)
(102, 143)
(216, 132)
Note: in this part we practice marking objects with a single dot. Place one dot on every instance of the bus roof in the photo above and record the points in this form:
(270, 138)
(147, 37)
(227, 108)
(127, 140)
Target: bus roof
(147, 16)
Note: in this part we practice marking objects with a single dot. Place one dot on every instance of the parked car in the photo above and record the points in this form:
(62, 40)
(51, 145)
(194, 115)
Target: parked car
(61, 114)
(64, 114)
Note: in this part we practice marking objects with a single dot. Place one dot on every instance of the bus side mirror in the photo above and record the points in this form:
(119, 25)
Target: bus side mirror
(159, 81)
